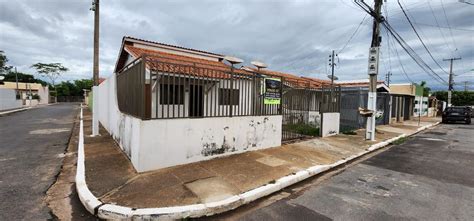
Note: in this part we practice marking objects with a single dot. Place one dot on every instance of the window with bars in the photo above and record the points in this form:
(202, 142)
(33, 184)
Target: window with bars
(229, 96)
(171, 94)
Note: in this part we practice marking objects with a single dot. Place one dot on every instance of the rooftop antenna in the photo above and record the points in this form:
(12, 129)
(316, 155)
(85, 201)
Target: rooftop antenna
(233, 60)
(259, 64)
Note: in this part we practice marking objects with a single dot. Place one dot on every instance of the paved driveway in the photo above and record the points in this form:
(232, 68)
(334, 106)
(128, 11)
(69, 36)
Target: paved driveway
(429, 177)
(31, 144)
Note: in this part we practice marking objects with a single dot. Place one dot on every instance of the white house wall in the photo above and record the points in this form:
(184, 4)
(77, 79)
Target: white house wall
(169, 142)
(8, 99)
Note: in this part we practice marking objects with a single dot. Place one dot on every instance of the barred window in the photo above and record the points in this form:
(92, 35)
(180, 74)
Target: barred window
(228, 96)
(171, 94)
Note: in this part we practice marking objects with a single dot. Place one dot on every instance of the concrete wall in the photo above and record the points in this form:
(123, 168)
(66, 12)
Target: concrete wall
(170, 142)
(154, 144)
(43, 92)
(330, 124)
(8, 99)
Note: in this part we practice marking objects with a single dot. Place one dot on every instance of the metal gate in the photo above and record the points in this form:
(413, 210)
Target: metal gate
(352, 99)
(302, 105)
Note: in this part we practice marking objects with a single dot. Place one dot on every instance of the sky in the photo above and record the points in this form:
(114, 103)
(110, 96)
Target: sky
(293, 36)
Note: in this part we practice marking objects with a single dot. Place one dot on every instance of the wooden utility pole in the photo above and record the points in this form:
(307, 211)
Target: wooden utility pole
(373, 69)
(450, 82)
(95, 8)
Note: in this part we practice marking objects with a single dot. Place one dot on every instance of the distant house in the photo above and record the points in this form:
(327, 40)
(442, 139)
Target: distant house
(39, 93)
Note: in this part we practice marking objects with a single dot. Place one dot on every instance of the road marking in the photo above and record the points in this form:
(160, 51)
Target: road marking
(6, 159)
(49, 131)
(432, 139)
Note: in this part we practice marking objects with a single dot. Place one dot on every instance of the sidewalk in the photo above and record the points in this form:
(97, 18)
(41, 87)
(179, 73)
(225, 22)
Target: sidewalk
(112, 179)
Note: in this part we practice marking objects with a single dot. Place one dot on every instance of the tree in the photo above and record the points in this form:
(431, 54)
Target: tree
(22, 77)
(459, 98)
(51, 71)
(4, 68)
(67, 88)
(426, 90)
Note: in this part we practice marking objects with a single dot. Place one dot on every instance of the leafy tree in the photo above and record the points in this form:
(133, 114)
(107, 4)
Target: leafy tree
(426, 90)
(458, 98)
(4, 68)
(51, 71)
(22, 77)
(67, 88)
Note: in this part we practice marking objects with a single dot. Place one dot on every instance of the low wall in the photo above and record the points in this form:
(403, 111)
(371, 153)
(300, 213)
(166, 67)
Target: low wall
(154, 144)
(330, 124)
(177, 141)
(8, 99)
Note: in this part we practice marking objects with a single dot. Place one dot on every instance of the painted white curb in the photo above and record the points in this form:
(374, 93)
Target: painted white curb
(110, 211)
(13, 111)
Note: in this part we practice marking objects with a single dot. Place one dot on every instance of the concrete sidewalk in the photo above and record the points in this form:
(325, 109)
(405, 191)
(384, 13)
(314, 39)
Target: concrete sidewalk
(112, 179)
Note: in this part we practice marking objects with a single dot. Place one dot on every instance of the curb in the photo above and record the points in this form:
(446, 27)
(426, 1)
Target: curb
(14, 111)
(111, 211)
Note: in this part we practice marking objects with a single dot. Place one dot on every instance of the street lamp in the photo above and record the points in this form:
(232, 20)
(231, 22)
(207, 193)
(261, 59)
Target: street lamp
(232, 61)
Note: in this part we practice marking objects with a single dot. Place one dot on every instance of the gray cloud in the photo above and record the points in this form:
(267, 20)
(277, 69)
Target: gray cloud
(291, 36)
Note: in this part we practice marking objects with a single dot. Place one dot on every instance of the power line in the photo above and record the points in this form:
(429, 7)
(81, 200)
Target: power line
(413, 54)
(353, 34)
(437, 24)
(421, 40)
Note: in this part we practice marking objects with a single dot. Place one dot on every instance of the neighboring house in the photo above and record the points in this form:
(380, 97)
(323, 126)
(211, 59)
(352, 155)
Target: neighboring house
(421, 103)
(39, 93)
(168, 105)
(403, 100)
(354, 95)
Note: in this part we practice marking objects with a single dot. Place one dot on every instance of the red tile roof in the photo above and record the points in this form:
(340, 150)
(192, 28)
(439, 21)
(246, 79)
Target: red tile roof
(294, 80)
(172, 63)
(174, 46)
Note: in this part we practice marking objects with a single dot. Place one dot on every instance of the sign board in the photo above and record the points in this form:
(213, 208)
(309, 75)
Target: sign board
(272, 91)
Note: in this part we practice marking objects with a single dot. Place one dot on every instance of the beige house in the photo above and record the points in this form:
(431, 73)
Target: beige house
(24, 89)
(403, 97)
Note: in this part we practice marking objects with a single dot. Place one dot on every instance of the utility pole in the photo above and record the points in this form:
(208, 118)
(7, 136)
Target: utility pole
(95, 89)
(465, 85)
(450, 82)
(332, 64)
(373, 67)
(16, 79)
(387, 78)
(95, 8)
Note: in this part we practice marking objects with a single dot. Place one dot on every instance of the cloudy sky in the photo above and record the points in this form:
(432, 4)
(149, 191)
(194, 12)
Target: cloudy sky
(294, 36)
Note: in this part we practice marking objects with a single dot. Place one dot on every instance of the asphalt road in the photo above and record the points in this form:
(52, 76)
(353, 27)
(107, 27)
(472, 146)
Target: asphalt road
(429, 177)
(31, 144)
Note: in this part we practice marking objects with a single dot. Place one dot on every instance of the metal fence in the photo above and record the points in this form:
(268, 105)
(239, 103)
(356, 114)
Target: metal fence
(70, 99)
(166, 90)
(302, 105)
(352, 99)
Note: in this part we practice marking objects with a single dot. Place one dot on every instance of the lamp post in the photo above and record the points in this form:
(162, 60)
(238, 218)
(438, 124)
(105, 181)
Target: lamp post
(232, 61)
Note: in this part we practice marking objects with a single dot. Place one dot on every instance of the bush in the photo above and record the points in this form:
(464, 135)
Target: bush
(36, 97)
(303, 129)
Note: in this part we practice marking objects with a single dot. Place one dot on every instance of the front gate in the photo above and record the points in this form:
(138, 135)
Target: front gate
(302, 105)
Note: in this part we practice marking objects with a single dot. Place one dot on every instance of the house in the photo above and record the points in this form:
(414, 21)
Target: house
(403, 100)
(354, 95)
(39, 93)
(167, 105)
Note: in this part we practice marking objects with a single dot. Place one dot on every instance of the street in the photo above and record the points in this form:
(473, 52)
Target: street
(429, 177)
(32, 144)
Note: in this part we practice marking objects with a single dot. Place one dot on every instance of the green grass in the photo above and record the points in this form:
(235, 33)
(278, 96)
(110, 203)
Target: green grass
(349, 132)
(303, 129)
(400, 141)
